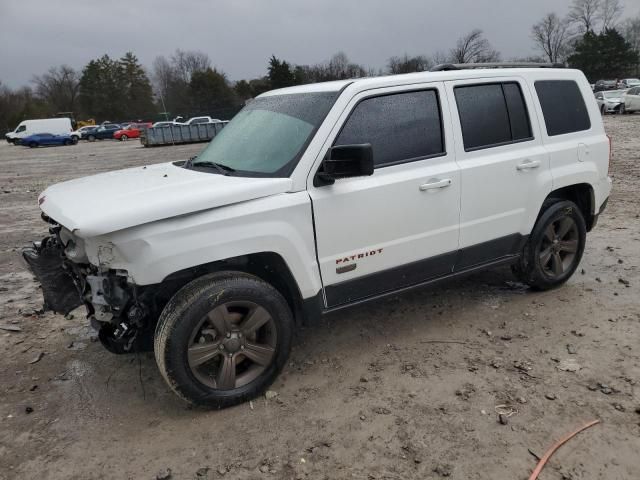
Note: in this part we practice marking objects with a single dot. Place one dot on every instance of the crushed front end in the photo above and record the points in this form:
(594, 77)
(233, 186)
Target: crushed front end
(117, 308)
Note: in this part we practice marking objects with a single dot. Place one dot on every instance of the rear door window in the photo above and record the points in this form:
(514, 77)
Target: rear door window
(400, 127)
(563, 107)
(492, 115)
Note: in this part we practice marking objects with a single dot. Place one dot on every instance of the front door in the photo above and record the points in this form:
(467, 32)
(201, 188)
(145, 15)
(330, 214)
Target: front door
(399, 226)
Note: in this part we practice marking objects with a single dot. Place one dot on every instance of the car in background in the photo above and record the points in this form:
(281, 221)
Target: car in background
(48, 139)
(102, 132)
(56, 126)
(166, 124)
(628, 83)
(631, 100)
(77, 134)
(131, 131)
(603, 85)
(609, 101)
(196, 120)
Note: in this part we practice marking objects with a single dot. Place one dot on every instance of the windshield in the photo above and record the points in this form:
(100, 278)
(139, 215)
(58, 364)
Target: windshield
(269, 135)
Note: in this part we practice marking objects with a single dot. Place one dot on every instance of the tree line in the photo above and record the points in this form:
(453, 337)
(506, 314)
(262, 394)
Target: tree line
(590, 37)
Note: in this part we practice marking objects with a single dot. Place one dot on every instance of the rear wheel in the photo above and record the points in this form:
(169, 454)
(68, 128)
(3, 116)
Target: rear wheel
(68, 142)
(223, 339)
(33, 144)
(555, 246)
(91, 138)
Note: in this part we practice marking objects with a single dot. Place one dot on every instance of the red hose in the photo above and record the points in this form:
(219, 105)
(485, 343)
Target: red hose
(557, 445)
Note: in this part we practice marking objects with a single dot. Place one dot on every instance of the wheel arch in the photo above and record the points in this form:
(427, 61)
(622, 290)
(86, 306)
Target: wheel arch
(268, 266)
(583, 195)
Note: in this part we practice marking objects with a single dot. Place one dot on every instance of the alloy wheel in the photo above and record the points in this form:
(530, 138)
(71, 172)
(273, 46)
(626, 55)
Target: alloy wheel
(559, 247)
(232, 345)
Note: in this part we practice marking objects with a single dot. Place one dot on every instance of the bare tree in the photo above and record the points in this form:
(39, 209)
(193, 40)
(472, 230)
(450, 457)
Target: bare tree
(440, 57)
(474, 48)
(631, 32)
(551, 36)
(59, 88)
(162, 76)
(610, 12)
(585, 14)
(407, 64)
(186, 63)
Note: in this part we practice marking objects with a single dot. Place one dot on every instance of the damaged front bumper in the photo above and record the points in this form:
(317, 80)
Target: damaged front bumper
(112, 303)
(60, 287)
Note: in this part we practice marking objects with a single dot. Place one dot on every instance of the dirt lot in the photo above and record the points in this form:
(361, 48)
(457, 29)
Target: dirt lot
(370, 393)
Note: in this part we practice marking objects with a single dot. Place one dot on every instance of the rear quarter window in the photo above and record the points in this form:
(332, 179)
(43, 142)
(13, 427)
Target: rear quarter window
(563, 106)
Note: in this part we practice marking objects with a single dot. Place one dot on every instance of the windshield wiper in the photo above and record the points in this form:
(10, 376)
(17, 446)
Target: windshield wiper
(223, 169)
(187, 164)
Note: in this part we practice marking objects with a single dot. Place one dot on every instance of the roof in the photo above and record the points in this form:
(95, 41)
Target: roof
(365, 83)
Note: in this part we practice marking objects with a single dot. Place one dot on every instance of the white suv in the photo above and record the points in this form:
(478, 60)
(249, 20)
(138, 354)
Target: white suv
(320, 197)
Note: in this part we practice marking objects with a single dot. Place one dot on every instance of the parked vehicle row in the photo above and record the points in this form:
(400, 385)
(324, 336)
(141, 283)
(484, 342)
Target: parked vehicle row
(619, 101)
(604, 85)
(58, 131)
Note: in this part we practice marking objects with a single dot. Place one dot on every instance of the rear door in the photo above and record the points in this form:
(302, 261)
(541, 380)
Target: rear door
(504, 166)
(399, 226)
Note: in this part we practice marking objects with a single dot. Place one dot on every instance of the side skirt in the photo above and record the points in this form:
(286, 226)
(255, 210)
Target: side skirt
(459, 273)
(502, 251)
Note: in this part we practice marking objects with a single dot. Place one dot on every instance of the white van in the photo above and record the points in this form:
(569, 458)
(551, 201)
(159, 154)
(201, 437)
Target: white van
(55, 126)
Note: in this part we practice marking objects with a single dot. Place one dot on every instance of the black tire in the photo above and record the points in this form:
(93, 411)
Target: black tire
(602, 111)
(91, 138)
(532, 268)
(189, 312)
(622, 109)
(68, 142)
(74, 140)
(123, 138)
(33, 144)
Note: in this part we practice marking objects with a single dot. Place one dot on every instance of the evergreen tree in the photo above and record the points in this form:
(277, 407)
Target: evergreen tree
(210, 91)
(136, 88)
(280, 74)
(603, 55)
(101, 94)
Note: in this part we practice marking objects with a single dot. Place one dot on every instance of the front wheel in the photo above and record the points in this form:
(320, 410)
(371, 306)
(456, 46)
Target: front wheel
(223, 339)
(91, 138)
(124, 138)
(555, 246)
(33, 144)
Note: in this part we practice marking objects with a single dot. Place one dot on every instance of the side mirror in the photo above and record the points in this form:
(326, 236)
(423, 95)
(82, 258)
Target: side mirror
(345, 161)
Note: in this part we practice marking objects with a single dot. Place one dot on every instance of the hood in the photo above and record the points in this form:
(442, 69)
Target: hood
(112, 201)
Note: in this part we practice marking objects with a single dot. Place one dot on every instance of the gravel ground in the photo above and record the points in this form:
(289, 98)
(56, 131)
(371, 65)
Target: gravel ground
(406, 387)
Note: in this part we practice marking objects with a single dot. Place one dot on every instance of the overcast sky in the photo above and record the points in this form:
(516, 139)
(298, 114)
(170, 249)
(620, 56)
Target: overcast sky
(240, 35)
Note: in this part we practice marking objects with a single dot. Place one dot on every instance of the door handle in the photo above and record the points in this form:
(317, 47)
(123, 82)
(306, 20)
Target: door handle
(528, 165)
(435, 184)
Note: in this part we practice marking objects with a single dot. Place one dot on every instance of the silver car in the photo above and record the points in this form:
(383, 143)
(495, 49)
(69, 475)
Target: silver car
(631, 100)
(609, 101)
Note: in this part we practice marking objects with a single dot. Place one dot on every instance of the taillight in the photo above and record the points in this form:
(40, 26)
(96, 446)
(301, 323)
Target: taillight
(610, 154)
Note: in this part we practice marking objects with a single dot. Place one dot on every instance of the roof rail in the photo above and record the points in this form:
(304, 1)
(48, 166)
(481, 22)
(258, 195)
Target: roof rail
(463, 66)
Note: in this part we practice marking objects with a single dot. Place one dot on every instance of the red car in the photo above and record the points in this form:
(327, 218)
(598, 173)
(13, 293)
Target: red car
(132, 131)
